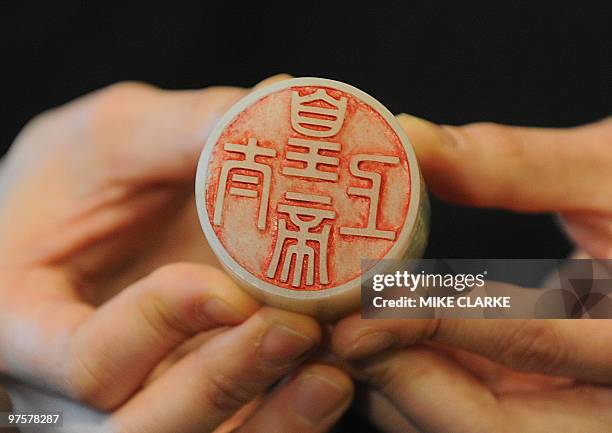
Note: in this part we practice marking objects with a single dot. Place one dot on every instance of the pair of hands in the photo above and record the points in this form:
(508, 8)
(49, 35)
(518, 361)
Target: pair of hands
(179, 348)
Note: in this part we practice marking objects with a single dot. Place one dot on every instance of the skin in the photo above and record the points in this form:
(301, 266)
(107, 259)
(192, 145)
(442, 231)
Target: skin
(475, 376)
(98, 302)
(99, 305)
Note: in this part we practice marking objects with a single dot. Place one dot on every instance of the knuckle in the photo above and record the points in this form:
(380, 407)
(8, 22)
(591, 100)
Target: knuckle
(119, 95)
(88, 117)
(159, 315)
(115, 105)
(181, 314)
(536, 346)
(225, 394)
(509, 148)
(124, 90)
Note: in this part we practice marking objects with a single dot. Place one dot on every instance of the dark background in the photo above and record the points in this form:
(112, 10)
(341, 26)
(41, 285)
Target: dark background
(527, 63)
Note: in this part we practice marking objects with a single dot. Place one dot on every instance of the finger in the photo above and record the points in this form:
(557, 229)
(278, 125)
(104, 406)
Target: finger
(310, 402)
(578, 349)
(101, 164)
(240, 417)
(423, 385)
(518, 168)
(132, 131)
(208, 386)
(271, 80)
(118, 346)
(499, 378)
(576, 409)
(136, 132)
(180, 352)
(382, 413)
(162, 132)
(591, 231)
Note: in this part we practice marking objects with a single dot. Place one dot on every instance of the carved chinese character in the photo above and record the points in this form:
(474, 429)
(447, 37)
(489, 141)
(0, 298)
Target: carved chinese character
(312, 158)
(316, 120)
(250, 151)
(372, 193)
(306, 219)
(330, 181)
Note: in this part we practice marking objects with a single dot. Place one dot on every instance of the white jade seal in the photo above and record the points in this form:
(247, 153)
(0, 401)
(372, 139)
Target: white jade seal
(301, 180)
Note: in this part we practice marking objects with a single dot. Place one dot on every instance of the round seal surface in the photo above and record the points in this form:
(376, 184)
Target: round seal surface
(300, 181)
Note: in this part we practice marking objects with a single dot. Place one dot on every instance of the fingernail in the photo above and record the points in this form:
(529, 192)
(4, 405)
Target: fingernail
(317, 398)
(370, 344)
(219, 311)
(283, 346)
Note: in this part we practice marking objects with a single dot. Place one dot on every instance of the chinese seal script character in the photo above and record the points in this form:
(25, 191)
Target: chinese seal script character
(302, 180)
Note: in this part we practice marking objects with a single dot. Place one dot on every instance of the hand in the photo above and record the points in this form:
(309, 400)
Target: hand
(486, 376)
(96, 196)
